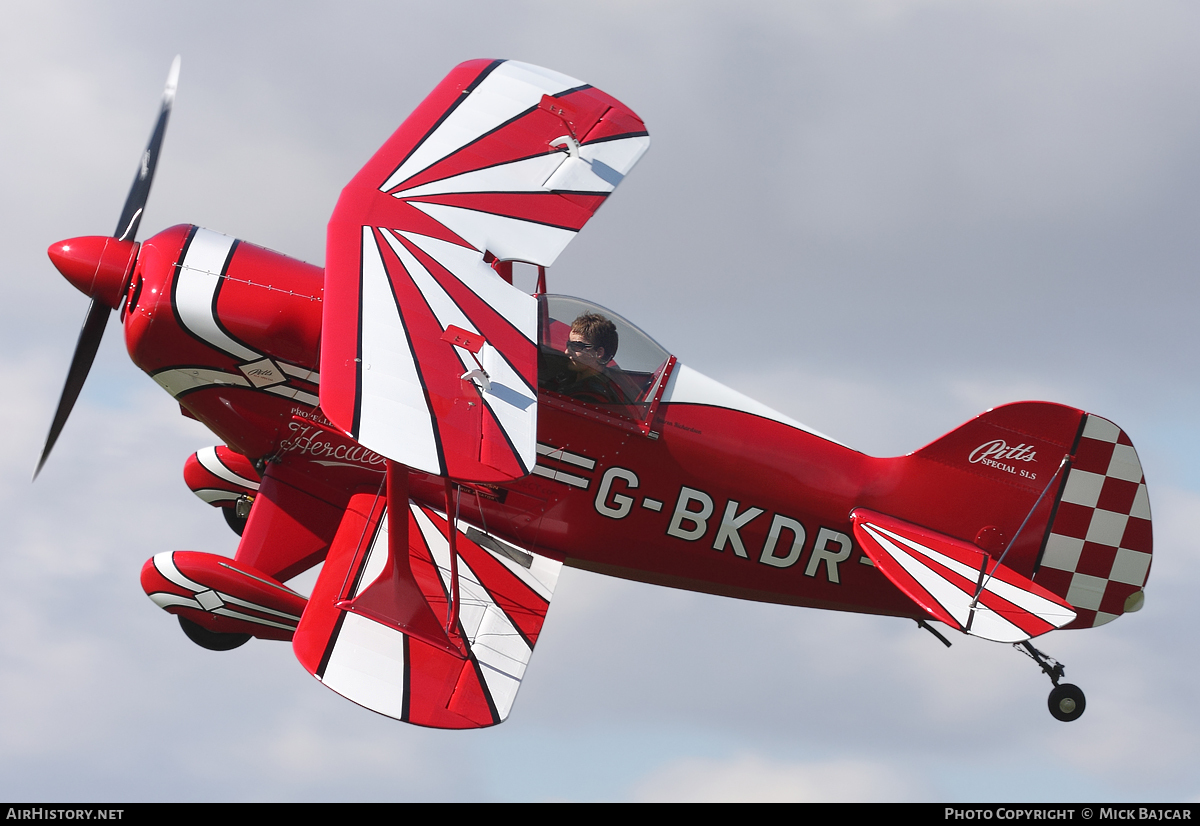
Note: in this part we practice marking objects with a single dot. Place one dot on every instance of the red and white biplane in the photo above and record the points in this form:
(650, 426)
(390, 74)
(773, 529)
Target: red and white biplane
(439, 441)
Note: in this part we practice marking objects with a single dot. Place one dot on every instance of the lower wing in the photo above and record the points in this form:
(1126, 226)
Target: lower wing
(390, 659)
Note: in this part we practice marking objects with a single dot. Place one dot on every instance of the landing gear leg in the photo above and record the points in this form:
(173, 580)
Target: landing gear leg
(1066, 701)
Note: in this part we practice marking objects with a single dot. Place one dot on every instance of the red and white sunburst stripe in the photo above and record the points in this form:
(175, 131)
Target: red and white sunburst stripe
(503, 160)
(512, 179)
(941, 574)
(1099, 547)
(504, 592)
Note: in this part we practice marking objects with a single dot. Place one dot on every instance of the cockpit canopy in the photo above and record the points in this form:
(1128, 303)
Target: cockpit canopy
(623, 386)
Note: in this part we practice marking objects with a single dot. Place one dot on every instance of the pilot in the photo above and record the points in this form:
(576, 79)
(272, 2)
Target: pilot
(592, 345)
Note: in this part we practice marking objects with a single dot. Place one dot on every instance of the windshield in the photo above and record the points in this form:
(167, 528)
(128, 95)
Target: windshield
(591, 355)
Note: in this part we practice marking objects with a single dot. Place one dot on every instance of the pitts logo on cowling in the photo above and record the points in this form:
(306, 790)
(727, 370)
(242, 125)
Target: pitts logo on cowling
(997, 454)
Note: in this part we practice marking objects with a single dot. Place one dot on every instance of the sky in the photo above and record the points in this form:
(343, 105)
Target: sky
(880, 217)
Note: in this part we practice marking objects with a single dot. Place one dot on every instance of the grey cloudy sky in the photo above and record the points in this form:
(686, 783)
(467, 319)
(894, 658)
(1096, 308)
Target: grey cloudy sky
(879, 217)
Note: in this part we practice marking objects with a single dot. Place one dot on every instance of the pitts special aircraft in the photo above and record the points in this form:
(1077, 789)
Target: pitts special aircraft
(409, 418)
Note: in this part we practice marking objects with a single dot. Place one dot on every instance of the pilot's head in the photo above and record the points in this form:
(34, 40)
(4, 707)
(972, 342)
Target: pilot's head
(593, 341)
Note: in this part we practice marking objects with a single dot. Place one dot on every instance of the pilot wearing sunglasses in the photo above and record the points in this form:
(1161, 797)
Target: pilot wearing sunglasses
(591, 347)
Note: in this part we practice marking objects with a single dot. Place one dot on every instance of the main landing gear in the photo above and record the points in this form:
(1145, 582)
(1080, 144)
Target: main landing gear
(237, 515)
(1066, 701)
(211, 640)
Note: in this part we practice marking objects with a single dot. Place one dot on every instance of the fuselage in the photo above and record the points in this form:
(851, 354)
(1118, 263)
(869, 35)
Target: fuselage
(709, 492)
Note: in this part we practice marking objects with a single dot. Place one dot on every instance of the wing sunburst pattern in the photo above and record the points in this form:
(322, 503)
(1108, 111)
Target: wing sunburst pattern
(503, 160)
(504, 595)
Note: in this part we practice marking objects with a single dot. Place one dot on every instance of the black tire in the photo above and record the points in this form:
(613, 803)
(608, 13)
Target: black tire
(1067, 702)
(211, 639)
(237, 523)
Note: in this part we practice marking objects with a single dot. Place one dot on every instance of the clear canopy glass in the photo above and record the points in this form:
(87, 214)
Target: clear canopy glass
(622, 385)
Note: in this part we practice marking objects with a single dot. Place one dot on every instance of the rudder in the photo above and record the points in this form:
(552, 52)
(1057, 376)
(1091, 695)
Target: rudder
(1097, 548)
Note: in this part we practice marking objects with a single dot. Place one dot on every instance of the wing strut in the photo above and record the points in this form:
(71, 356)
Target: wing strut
(452, 518)
(394, 598)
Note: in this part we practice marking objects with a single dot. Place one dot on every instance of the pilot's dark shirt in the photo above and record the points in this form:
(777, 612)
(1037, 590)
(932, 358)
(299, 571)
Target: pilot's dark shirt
(592, 387)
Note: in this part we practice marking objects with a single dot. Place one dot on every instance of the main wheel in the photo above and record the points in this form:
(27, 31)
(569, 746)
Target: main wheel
(1067, 702)
(237, 523)
(211, 639)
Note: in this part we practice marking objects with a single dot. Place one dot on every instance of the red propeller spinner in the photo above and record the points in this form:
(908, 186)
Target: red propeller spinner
(98, 266)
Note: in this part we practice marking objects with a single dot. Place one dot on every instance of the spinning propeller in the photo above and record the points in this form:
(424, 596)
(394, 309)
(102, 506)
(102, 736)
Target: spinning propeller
(100, 267)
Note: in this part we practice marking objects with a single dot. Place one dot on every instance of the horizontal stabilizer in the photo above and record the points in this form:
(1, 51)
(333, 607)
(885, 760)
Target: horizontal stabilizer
(942, 575)
(504, 593)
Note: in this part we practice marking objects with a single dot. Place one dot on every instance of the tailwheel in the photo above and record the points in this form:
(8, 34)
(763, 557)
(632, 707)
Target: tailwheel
(211, 640)
(1067, 702)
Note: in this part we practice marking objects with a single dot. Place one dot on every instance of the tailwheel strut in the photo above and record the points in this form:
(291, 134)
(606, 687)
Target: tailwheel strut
(1066, 701)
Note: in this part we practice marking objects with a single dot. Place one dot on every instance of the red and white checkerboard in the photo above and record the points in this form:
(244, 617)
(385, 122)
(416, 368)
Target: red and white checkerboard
(1098, 551)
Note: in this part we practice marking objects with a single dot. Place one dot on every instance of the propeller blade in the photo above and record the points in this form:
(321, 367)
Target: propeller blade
(81, 363)
(127, 227)
(131, 215)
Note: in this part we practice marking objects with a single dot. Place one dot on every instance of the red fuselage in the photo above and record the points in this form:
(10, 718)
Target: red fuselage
(705, 496)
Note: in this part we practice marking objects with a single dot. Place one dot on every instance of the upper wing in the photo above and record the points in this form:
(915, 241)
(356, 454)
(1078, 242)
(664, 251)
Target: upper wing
(503, 160)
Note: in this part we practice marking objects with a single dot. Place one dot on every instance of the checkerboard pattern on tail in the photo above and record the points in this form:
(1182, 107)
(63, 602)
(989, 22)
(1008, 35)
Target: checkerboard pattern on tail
(1098, 546)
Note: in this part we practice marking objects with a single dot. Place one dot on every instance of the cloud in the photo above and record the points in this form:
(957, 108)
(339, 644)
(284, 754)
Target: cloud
(749, 778)
(879, 218)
